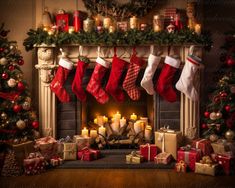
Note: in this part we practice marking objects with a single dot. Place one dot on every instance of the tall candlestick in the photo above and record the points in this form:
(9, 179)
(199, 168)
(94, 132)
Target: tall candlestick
(133, 117)
(85, 132)
(102, 131)
(93, 133)
(134, 22)
(148, 133)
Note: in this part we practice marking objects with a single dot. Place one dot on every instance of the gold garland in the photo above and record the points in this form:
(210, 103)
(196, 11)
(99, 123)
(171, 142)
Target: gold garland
(119, 10)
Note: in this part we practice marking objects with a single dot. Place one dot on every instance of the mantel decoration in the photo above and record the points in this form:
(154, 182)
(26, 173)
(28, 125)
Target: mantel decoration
(119, 10)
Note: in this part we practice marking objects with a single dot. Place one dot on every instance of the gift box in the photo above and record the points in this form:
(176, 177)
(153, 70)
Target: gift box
(34, 164)
(163, 158)
(87, 154)
(148, 151)
(168, 142)
(47, 147)
(70, 151)
(181, 166)
(204, 145)
(190, 156)
(134, 157)
(206, 169)
(223, 147)
(62, 21)
(82, 142)
(227, 162)
(55, 161)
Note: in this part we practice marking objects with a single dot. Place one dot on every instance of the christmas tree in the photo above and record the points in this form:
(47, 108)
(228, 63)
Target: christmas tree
(18, 122)
(219, 116)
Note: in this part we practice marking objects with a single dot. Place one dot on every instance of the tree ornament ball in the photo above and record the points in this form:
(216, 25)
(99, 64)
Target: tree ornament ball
(213, 116)
(206, 114)
(20, 62)
(20, 124)
(216, 99)
(230, 61)
(227, 108)
(17, 108)
(20, 86)
(11, 82)
(35, 124)
(5, 76)
(26, 105)
(223, 95)
(219, 115)
(11, 67)
(3, 61)
(204, 126)
(229, 135)
(3, 116)
(33, 115)
(1, 50)
(213, 137)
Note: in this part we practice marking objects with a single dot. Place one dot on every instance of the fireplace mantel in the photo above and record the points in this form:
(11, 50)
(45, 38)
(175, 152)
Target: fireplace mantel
(48, 57)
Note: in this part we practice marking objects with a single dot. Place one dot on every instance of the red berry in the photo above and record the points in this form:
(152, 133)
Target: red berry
(207, 114)
(204, 126)
(17, 108)
(35, 124)
(4, 76)
(230, 61)
(20, 62)
(227, 108)
(20, 86)
(11, 67)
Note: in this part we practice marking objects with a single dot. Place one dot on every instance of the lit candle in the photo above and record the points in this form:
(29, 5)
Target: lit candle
(71, 29)
(115, 126)
(117, 115)
(137, 127)
(111, 29)
(93, 133)
(107, 22)
(95, 120)
(134, 22)
(122, 122)
(197, 29)
(133, 117)
(144, 119)
(85, 132)
(105, 119)
(148, 132)
(100, 120)
(102, 131)
(157, 23)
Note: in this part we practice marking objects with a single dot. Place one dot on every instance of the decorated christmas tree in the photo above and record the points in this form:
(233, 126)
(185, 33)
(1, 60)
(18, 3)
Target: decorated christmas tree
(18, 122)
(219, 116)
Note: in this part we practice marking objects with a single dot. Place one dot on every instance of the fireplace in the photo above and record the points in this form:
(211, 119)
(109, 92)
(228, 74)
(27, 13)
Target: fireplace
(62, 119)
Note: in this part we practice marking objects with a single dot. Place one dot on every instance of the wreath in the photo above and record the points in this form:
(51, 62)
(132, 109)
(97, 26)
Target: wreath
(119, 10)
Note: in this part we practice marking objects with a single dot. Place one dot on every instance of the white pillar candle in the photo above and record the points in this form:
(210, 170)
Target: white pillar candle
(107, 22)
(197, 29)
(117, 116)
(95, 120)
(100, 120)
(148, 133)
(85, 132)
(71, 29)
(115, 126)
(122, 122)
(133, 117)
(93, 133)
(105, 119)
(137, 127)
(145, 120)
(157, 23)
(134, 22)
(102, 131)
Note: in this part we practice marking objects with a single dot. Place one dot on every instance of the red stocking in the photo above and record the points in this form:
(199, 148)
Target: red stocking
(164, 85)
(112, 87)
(94, 86)
(60, 77)
(77, 81)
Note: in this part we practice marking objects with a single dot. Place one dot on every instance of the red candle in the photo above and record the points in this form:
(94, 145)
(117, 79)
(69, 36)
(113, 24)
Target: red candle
(76, 21)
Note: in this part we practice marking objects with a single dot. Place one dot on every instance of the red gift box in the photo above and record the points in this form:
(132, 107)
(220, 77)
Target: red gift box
(62, 21)
(149, 151)
(204, 145)
(88, 154)
(189, 156)
(227, 162)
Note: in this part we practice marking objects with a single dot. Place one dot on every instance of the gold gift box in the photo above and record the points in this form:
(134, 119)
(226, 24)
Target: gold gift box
(220, 148)
(70, 151)
(171, 141)
(207, 169)
(134, 158)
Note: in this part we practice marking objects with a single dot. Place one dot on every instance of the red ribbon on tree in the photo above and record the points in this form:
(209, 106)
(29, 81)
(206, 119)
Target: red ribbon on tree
(9, 96)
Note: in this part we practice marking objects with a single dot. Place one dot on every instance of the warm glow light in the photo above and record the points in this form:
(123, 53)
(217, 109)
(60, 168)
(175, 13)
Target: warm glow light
(85, 132)
(133, 117)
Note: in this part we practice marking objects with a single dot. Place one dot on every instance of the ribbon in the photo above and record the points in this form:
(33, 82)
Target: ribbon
(161, 138)
(85, 151)
(180, 166)
(9, 96)
(134, 154)
(199, 141)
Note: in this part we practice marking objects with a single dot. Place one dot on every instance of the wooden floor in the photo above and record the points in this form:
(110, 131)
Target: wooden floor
(115, 178)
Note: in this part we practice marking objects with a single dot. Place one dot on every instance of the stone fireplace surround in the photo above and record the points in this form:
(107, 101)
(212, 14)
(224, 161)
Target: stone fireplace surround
(49, 116)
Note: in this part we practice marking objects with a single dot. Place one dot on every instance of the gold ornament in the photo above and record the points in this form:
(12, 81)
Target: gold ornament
(20, 124)
(3, 61)
(218, 115)
(213, 138)
(213, 116)
(28, 99)
(26, 105)
(229, 135)
(33, 115)
(3, 116)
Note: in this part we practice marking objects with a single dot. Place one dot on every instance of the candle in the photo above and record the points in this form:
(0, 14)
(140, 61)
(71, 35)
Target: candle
(133, 117)
(85, 132)
(148, 133)
(144, 119)
(76, 21)
(197, 29)
(93, 133)
(157, 23)
(71, 29)
(122, 122)
(100, 120)
(102, 131)
(107, 22)
(111, 29)
(115, 126)
(88, 25)
(117, 116)
(95, 120)
(137, 127)
(98, 20)
(105, 119)
(134, 22)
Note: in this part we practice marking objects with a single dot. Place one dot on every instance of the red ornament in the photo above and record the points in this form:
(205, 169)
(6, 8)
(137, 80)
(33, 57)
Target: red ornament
(204, 126)
(35, 124)
(20, 62)
(20, 86)
(207, 114)
(223, 95)
(11, 67)
(17, 108)
(5, 76)
(1, 49)
(216, 99)
(230, 61)
(227, 108)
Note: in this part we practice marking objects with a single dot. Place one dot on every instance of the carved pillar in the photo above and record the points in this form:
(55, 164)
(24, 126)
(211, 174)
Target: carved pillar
(47, 103)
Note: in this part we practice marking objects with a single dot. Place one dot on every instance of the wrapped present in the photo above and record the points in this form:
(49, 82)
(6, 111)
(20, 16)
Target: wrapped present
(87, 154)
(55, 161)
(70, 151)
(168, 141)
(163, 158)
(134, 157)
(204, 145)
(62, 20)
(47, 147)
(82, 142)
(181, 166)
(227, 162)
(223, 147)
(207, 169)
(34, 164)
(189, 155)
(148, 151)
(60, 145)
